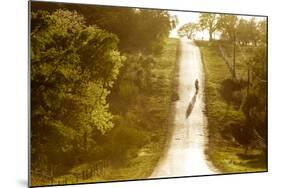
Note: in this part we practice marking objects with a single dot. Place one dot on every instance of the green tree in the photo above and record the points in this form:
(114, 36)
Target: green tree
(73, 67)
(139, 30)
(255, 102)
(188, 30)
(253, 31)
(243, 32)
(227, 24)
(262, 31)
(210, 22)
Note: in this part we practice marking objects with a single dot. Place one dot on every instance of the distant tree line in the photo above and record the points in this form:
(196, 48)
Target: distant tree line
(246, 31)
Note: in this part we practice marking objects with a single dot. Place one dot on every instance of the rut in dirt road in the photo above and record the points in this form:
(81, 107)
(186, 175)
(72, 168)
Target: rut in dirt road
(185, 155)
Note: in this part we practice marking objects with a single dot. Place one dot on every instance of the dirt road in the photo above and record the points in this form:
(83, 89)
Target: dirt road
(185, 154)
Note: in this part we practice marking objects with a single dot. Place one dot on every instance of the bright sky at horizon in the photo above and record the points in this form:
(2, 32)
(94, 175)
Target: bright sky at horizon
(183, 18)
(186, 17)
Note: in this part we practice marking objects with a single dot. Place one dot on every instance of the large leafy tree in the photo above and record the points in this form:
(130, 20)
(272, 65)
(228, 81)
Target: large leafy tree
(247, 31)
(243, 31)
(152, 27)
(139, 30)
(73, 66)
(227, 24)
(210, 22)
(188, 30)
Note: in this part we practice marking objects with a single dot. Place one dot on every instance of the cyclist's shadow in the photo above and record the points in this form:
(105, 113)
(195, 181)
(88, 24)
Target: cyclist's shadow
(191, 105)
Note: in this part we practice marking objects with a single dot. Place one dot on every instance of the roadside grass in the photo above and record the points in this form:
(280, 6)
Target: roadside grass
(242, 53)
(137, 167)
(140, 162)
(225, 154)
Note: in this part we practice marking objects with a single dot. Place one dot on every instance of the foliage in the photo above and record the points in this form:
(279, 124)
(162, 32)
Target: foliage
(262, 31)
(139, 30)
(227, 24)
(248, 31)
(188, 30)
(237, 111)
(88, 100)
(231, 90)
(73, 68)
(210, 22)
(126, 139)
(255, 103)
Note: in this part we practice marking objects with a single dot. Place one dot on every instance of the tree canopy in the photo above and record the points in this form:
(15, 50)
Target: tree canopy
(188, 30)
(139, 30)
(73, 68)
(210, 22)
(227, 24)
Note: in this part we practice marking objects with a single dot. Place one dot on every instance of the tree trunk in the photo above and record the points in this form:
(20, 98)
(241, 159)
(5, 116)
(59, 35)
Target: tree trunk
(210, 36)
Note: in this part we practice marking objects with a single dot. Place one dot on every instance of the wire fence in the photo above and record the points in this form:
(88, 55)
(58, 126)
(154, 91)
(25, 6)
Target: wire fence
(227, 61)
(94, 170)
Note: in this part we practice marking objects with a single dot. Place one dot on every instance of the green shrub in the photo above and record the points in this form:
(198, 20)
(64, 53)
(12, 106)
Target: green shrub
(231, 90)
(125, 139)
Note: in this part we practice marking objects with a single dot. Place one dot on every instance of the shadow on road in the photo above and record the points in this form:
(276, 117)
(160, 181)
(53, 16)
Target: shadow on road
(191, 105)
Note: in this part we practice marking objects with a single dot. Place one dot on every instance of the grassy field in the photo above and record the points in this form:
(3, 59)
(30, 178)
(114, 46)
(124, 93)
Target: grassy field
(142, 161)
(242, 54)
(225, 154)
